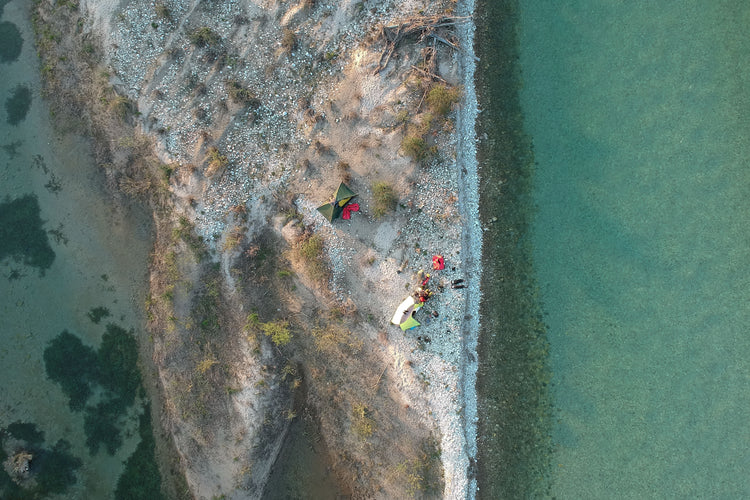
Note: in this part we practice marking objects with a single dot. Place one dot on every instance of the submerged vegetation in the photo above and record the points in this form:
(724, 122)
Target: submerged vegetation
(11, 42)
(111, 373)
(75, 378)
(52, 470)
(96, 314)
(141, 479)
(18, 104)
(513, 375)
(21, 235)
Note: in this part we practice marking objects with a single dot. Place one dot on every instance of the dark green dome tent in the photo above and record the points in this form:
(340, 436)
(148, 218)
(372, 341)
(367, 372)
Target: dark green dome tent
(333, 209)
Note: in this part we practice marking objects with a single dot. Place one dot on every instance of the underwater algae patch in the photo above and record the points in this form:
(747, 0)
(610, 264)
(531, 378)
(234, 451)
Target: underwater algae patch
(141, 479)
(73, 365)
(11, 42)
(514, 425)
(18, 104)
(109, 375)
(21, 235)
(51, 469)
(96, 314)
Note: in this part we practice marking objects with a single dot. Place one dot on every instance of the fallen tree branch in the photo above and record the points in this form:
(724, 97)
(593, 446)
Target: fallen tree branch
(419, 28)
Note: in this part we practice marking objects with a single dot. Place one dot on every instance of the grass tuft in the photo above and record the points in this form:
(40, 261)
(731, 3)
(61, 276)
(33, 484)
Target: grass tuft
(415, 147)
(384, 197)
(441, 98)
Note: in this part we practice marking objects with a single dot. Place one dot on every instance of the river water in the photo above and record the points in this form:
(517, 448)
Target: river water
(67, 254)
(638, 116)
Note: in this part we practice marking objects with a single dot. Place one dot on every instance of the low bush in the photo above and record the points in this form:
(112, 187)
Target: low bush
(311, 252)
(121, 107)
(278, 331)
(384, 197)
(415, 147)
(216, 161)
(239, 94)
(441, 98)
(288, 40)
(162, 11)
(204, 37)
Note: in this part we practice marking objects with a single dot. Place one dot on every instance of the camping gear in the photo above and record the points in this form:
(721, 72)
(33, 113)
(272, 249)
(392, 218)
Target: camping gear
(404, 316)
(438, 263)
(346, 213)
(335, 208)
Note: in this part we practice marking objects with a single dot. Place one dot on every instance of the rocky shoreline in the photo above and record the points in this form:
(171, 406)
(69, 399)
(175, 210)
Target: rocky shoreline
(255, 112)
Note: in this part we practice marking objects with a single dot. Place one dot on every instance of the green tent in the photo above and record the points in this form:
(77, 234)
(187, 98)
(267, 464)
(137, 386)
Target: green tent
(404, 316)
(333, 209)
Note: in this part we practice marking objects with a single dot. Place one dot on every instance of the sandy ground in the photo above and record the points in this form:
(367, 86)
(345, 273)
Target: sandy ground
(321, 104)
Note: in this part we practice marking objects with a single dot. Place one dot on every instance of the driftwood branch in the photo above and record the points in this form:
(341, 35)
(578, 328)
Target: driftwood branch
(427, 74)
(440, 28)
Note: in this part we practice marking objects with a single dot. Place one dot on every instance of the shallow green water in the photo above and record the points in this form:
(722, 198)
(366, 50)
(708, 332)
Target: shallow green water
(69, 262)
(638, 113)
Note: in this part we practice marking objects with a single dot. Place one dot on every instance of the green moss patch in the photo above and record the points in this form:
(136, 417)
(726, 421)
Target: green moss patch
(21, 235)
(18, 104)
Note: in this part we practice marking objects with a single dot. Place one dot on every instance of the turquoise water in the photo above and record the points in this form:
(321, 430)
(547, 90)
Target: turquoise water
(70, 261)
(638, 114)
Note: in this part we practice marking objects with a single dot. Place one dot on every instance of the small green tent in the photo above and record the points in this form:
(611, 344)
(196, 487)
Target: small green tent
(404, 316)
(333, 209)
